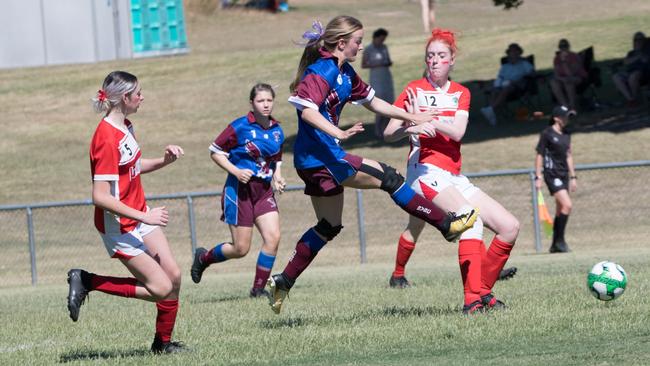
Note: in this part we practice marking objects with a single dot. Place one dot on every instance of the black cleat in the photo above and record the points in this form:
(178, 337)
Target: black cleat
(454, 224)
(197, 266)
(492, 303)
(507, 273)
(399, 282)
(77, 291)
(559, 247)
(259, 292)
(160, 347)
(473, 308)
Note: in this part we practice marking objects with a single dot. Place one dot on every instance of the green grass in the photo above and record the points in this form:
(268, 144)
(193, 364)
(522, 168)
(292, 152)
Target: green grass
(349, 316)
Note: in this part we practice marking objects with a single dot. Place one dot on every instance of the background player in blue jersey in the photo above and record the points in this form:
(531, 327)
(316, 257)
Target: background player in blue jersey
(250, 150)
(324, 83)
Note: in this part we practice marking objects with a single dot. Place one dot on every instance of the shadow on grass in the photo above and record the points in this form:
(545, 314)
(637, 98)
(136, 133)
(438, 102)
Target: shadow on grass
(371, 314)
(604, 115)
(85, 355)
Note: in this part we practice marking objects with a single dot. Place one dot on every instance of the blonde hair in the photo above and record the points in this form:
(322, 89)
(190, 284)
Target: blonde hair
(341, 27)
(116, 85)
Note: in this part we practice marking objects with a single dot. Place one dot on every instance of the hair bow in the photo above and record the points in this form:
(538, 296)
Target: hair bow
(312, 37)
(101, 95)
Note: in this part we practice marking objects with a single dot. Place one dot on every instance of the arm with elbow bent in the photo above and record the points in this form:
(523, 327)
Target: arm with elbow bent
(172, 152)
(103, 199)
(455, 130)
(398, 129)
(380, 106)
(242, 175)
(315, 119)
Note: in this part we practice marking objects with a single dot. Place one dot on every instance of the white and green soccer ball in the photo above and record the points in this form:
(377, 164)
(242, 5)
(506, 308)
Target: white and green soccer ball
(607, 281)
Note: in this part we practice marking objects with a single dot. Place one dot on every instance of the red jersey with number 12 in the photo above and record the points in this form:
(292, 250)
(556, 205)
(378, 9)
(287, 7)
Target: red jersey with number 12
(449, 100)
(115, 158)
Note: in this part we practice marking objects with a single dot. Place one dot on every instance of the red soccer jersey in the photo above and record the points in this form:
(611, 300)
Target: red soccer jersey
(115, 157)
(449, 100)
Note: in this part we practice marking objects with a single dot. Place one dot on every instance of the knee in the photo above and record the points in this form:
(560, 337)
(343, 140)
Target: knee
(510, 230)
(272, 239)
(327, 230)
(566, 207)
(239, 251)
(175, 278)
(391, 180)
(161, 289)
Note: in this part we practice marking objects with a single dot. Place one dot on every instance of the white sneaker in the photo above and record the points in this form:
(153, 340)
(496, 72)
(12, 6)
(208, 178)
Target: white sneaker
(488, 113)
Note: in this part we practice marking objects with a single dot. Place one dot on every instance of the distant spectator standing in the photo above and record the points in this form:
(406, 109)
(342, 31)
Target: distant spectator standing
(428, 14)
(568, 74)
(377, 59)
(511, 79)
(636, 70)
(554, 155)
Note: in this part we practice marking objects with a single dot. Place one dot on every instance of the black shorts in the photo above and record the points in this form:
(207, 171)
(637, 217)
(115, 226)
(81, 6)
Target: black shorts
(556, 182)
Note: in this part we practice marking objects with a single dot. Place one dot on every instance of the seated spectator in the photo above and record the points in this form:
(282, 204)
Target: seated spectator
(377, 59)
(636, 71)
(568, 74)
(511, 80)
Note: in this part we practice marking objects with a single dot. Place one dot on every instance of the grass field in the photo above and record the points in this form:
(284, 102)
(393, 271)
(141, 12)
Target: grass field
(340, 312)
(349, 316)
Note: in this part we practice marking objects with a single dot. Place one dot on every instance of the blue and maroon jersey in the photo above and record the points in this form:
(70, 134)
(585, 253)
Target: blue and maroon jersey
(326, 88)
(248, 145)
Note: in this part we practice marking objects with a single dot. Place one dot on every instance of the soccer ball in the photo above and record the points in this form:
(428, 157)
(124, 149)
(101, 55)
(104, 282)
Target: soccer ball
(607, 281)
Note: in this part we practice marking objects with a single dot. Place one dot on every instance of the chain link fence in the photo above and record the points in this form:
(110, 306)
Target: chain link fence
(40, 243)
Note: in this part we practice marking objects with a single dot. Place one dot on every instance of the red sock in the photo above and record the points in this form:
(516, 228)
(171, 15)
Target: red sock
(469, 259)
(166, 319)
(118, 286)
(495, 258)
(404, 251)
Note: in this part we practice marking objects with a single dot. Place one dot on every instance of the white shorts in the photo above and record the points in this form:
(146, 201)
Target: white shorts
(127, 245)
(428, 180)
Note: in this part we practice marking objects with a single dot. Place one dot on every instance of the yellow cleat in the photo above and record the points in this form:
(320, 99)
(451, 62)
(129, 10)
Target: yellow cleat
(278, 291)
(458, 224)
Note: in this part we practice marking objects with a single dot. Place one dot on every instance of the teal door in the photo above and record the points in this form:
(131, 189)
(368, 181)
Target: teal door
(158, 25)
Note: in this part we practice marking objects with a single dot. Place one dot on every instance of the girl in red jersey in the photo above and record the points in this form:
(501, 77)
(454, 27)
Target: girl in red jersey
(434, 171)
(129, 229)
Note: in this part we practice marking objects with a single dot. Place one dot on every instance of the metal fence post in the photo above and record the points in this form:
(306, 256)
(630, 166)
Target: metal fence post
(190, 214)
(537, 228)
(360, 222)
(32, 244)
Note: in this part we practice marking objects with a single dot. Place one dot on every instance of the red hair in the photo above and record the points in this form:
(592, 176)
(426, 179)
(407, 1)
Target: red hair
(443, 35)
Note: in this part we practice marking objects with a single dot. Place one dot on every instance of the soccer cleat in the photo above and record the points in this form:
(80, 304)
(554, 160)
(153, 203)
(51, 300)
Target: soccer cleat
(278, 291)
(457, 224)
(159, 347)
(492, 303)
(77, 292)
(197, 266)
(559, 247)
(259, 292)
(507, 273)
(399, 282)
(473, 308)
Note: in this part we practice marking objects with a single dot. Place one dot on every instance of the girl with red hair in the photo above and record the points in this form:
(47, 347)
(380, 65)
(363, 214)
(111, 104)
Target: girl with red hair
(434, 171)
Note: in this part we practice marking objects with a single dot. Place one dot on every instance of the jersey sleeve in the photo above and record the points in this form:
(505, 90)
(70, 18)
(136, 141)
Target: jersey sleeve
(104, 158)
(541, 145)
(361, 92)
(464, 102)
(225, 142)
(400, 101)
(313, 88)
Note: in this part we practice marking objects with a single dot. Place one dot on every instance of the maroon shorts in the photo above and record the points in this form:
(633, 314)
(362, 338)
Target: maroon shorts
(243, 203)
(325, 181)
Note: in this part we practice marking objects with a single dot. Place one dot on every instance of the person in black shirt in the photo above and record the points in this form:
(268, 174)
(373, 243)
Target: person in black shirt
(554, 154)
